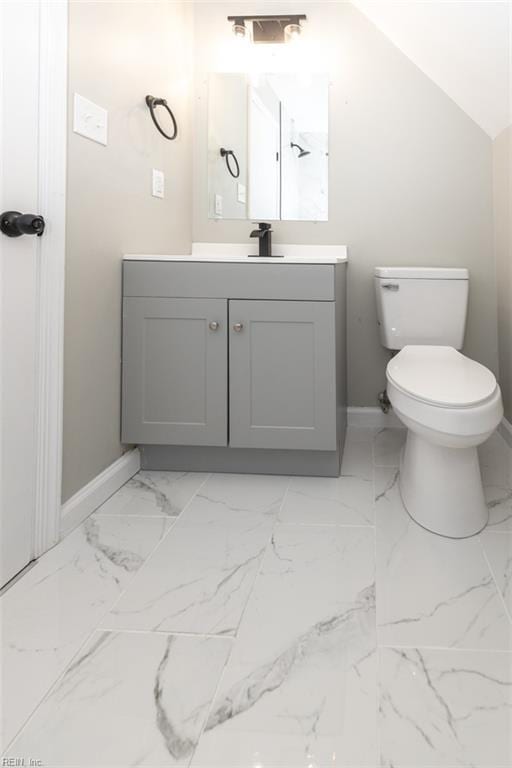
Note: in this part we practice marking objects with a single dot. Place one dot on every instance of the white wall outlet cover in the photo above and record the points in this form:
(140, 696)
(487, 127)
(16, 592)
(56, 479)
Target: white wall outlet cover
(241, 193)
(218, 205)
(158, 189)
(90, 120)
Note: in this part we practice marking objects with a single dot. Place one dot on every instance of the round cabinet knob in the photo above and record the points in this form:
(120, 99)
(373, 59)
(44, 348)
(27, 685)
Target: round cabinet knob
(214, 326)
(238, 327)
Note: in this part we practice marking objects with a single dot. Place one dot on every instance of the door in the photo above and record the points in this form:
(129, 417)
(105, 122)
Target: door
(282, 375)
(19, 46)
(174, 371)
(264, 165)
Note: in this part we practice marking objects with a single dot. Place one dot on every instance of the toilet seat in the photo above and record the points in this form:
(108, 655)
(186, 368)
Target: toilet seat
(441, 377)
(443, 392)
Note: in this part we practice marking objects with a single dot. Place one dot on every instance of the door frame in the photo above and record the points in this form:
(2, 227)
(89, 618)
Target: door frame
(256, 102)
(53, 82)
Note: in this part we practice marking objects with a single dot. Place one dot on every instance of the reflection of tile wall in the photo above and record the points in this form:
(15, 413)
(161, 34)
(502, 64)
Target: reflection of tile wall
(313, 177)
(305, 181)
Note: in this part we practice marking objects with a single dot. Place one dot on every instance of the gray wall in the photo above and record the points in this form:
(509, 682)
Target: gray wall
(118, 53)
(410, 174)
(503, 229)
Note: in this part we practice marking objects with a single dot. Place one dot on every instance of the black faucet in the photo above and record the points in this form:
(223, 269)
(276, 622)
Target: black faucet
(263, 233)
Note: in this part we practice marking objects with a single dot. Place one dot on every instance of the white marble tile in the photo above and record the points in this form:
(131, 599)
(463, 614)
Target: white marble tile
(243, 493)
(199, 580)
(50, 611)
(329, 501)
(128, 699)
(499, 501)
(344, 500)
(442, 708)
(357, 459)
(300, 687)
(432, 591)
(387, 446)
(155, 494)
(498, 549)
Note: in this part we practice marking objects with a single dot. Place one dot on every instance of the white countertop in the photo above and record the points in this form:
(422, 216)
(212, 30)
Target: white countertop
(246, 253)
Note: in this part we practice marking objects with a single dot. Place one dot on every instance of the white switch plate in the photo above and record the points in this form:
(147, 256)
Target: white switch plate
(158, 183)
(241, 194)
(218, 205)
(90, 120)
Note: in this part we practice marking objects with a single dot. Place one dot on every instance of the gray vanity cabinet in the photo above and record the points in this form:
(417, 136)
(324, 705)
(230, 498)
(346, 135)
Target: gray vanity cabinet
(282, 375)
(235, 367)
(174, 371)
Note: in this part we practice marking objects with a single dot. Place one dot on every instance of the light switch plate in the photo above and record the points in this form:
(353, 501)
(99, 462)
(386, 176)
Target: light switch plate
(90, 120)
(241, 193)
(218, 205)
(158, 183)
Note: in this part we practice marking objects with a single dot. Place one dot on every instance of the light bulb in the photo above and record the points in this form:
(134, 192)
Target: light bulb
(239, 29)
(292, 32)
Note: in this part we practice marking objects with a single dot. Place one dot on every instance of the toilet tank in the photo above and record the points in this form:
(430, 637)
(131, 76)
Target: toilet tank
(421, 305)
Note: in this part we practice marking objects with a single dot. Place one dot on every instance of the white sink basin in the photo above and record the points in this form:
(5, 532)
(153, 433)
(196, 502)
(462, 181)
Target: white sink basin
(248, 253)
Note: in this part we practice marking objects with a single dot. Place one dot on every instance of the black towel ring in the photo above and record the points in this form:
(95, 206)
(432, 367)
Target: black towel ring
(153, 102)
(227, 153)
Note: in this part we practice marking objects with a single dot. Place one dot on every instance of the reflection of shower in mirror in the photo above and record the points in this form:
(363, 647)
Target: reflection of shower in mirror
(302, 152)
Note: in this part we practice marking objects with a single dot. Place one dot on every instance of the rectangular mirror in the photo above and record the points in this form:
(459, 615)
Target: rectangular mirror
(268, 152)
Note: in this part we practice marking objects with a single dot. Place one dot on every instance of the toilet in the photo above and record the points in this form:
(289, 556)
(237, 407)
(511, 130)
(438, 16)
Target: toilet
(449, 403)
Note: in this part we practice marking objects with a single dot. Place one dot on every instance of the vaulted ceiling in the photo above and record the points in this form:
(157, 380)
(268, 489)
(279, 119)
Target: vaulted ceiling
(464, 46)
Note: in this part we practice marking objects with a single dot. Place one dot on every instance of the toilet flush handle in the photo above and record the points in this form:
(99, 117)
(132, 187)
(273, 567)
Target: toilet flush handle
(391, 286)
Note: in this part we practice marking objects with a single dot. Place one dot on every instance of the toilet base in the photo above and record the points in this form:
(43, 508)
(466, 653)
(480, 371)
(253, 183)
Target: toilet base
(442, 489)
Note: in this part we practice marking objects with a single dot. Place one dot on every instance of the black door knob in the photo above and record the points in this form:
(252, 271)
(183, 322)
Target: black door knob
(15, 224)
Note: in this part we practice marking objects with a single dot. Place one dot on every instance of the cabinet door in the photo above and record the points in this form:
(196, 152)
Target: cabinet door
(282, 375)
(175, 371)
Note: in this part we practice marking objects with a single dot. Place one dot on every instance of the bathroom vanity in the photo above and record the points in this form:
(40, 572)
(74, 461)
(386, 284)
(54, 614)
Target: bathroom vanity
(235, 364)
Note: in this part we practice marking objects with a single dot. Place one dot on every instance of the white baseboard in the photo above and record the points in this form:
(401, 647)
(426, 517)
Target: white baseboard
(371, 417)
(505, 430)
(91, 496)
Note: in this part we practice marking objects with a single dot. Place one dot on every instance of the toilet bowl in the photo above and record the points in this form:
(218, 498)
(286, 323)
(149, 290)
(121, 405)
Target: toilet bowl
(450, 404)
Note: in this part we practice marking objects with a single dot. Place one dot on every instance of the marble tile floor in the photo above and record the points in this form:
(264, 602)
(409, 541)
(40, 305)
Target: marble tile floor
(234, 621)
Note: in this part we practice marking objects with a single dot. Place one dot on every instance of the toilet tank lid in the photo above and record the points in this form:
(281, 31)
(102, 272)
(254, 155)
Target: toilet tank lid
(422, 273)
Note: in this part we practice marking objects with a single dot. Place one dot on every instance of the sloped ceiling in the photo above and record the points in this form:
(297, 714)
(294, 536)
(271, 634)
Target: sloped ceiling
(464, 46)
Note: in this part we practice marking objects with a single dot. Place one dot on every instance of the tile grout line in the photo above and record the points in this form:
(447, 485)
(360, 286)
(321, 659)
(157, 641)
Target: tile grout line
(137, 517)
(258, 572)
(96, 627)
(235, 638)
(149, 557)
(164, 633)
(451, 648)
(52, 687)
(377, 646)
(214, 696)
(325, 525)
(493, 575)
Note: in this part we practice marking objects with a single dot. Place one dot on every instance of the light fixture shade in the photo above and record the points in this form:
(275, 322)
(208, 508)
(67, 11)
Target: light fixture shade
(239, 30)
(292, 32)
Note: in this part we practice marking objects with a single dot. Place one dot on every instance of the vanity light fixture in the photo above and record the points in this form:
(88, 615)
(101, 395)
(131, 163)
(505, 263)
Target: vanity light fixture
(269, 29)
